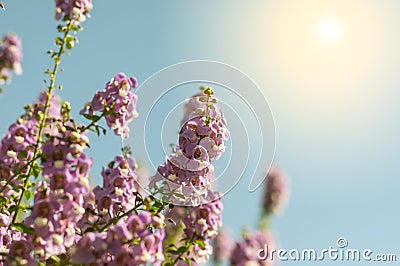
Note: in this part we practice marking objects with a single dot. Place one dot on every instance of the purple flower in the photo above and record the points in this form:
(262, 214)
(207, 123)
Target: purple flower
(54, 107)
(77, 10)
(246, 251)
(10, 56)
(203, 221)
(20, 254)
(16, 150)
(222, 245)
(208, 135)
(7, 234)
(59, 202)
(17, 147)
(186, 175)
(131, 241)
(276, 190)
(119, 188)
(117, 102)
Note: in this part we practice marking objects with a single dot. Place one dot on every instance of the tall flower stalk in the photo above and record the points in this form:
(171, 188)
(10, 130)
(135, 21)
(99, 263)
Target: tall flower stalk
(42, 116)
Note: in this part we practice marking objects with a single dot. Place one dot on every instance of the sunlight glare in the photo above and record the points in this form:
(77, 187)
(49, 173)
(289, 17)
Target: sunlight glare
(329, 30)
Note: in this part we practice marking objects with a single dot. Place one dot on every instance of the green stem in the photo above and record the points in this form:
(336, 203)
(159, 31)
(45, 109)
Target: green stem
(264, 222)
(16, 175)
(117, 218)
(92, 123)
(53, 75)
(184, 250)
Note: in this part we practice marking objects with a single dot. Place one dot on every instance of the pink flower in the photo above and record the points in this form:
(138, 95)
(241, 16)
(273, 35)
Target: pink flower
(77, 10)
(276, 190)
(10, 56)
(117, 102)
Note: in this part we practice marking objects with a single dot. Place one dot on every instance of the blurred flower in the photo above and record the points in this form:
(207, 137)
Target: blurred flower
(276, 190)
(20, 254)
(246, 251)
(7, 234)
(222, 245)
(10, 56)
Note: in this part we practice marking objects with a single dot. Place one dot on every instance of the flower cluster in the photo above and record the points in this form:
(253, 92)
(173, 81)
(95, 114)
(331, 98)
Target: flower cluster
(7, 234)
(201, 224)
(58, 202)
(36, 110)
(67, 223)
(203, 221)
(17, 146)
(119, 190)
(16, 150)
(10, 56)
(187, 172)
(134, 241)
(202, 135)
(276, 190)
(20, 253)
(246, 250)
(77, 10)
(116, 102)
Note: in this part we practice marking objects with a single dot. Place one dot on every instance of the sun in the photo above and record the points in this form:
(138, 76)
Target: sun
(329, 30)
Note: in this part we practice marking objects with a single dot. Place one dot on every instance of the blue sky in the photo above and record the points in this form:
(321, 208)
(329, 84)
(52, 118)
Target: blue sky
(333, 92)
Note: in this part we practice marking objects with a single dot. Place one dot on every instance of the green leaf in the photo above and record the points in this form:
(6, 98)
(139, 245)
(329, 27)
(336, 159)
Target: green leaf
(69, 128)
(55, 258)
(58, 40)
(200, 243)
(182, 249)
(23, 228)
(172, 251)
(95, 130)
(22, 177)
(91, 117)
(69, 38)
(35, 169)
(180, 195)
(28, 195)
(13, 208)
(69, 42)
(3, 200)
(76, 28)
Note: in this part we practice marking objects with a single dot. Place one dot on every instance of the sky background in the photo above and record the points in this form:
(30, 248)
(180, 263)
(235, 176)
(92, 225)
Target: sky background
(329, 70)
